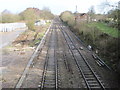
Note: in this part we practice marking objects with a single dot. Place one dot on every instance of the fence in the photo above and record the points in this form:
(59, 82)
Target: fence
(7, 27)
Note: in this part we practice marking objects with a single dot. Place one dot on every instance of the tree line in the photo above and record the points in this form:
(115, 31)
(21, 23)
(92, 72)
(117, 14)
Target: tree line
(30, 13)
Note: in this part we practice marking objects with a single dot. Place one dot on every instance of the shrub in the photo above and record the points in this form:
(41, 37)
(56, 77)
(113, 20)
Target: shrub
(107, 45)
(30, 25)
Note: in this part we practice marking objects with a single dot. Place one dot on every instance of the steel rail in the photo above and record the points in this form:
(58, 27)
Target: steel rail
(91, 51)
(85, 61)
(46, 64)
(65, 56)
(39, 48)
(76, 62)
(56, 62)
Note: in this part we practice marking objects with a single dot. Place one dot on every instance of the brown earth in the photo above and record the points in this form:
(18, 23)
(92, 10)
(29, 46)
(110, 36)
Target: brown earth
(16, 56)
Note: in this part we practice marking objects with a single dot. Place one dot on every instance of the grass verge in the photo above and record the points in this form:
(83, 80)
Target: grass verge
(106, 29)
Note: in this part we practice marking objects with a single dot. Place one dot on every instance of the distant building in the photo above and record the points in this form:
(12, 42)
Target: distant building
(81, 16)
(40, 22)
(8, 27)
(48, 21)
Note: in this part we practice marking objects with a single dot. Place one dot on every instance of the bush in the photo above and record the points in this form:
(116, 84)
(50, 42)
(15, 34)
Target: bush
(47, 15)
(103, 42)
(30, 25)
(68, 18)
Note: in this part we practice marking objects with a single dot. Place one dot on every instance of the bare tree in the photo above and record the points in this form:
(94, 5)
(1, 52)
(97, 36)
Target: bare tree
(91, 13)
(106, 6)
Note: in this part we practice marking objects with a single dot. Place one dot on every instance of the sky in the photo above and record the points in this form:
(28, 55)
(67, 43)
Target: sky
(56, 6)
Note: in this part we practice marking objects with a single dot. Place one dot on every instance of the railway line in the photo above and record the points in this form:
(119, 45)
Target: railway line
(91, 79)
(60, 63)
(49, 77)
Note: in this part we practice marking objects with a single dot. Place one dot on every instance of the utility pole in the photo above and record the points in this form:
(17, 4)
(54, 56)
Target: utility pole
(75, 14)
(119, 5)
(76, 9)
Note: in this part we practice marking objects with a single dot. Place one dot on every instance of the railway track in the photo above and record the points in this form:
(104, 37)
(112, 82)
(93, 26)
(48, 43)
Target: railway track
(31, 61)
(99, 61)
(62, 56)
(90, 77)
(50, 66)
(50, 71)
(70, 66)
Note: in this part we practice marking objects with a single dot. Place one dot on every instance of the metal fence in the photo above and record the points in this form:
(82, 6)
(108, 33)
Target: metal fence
(7, 27)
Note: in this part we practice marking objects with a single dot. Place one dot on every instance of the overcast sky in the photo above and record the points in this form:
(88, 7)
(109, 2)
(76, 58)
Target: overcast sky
(56, 6)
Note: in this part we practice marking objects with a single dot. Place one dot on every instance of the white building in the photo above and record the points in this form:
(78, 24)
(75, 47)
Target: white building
(40, 22)
(7, 27)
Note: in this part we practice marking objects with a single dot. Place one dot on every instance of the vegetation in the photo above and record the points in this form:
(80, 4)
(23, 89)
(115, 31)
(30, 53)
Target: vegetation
(28, 39)
(37, 37)
(9, 17)
(112, 19)
(102, 37)
(46, 14)
(68, 18)
(30, 15)
(91, 13)
(106, 29)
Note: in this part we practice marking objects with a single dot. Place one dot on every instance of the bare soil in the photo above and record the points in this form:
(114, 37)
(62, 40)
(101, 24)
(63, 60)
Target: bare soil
(16, 56)
(13, 63)
(14, 60)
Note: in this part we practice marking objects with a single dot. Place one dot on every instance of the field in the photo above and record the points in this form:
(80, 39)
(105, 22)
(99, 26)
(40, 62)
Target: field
(106, 29)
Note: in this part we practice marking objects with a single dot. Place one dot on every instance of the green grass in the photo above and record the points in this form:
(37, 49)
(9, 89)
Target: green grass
(106, 29)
